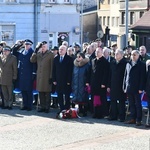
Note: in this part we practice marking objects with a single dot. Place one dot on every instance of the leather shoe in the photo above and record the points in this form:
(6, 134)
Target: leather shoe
(5, 107)
(10, 108)
(46, 110)
(132, 121)
(24, 108)
(147, 125)
(138, 123)
(112, 119)
(29, 109)
(121, 120)
(41, 110)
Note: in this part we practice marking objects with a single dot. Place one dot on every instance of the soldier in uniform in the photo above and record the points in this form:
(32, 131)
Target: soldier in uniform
(8, 74)
(26, 74)
(44, 59)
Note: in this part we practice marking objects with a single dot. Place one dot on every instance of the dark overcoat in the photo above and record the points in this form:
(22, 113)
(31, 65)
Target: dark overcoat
(117, 71)
(148, 82)
(81, 72)
(137, 78)
(62, 73)
(99, 75)
(25, 70)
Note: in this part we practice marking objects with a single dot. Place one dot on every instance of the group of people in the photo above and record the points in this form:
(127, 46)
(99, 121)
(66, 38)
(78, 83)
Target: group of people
(87, 71)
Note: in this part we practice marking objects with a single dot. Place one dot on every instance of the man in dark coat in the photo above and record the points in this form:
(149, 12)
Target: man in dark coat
(99, 81)
(134, 85)
(62, 77)
(26, 74)
(117, 95)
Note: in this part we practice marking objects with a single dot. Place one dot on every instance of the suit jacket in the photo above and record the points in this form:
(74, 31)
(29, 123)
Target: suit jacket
(62, 73)
(8, 69)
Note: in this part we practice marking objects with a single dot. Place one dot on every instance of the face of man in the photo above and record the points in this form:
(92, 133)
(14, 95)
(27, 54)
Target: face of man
(6, 53)
(142, 51)
(69, 51)
(44, 48)
(134, 56)
(62, 50)
(27, 46)
(76, 48)
(55, 52)
(89, 49)
(99, 52)
(118, 56)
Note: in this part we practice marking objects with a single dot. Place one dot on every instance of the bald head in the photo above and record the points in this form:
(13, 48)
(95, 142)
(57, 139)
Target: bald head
(62, 50)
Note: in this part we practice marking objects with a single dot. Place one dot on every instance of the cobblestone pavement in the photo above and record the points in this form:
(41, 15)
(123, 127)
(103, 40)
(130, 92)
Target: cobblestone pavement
(30, 130)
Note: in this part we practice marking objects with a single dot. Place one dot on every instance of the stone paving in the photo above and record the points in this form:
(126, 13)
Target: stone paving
(30, 130)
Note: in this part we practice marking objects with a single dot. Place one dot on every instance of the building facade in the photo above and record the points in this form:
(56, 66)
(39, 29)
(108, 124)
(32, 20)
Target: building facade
(51, 20)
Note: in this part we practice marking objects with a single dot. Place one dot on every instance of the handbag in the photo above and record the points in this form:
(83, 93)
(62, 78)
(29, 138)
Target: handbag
(97, 101)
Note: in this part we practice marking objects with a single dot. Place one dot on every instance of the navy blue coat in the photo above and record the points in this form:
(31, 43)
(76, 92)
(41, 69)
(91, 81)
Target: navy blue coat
(80, 78)
(25, 70)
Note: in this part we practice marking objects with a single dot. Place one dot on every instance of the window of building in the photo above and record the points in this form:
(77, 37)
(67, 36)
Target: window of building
(108, 21)
(104, 21)
(113, 1)
(7, 34)
(123, 18)
(108, 1)
(11, 1)
(52, 1)
(66, 1)
(117, 21)
(132, 17)
(113, 22)
(141, 13)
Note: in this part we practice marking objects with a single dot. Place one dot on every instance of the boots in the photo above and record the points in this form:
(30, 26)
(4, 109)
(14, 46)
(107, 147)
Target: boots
(97, 112)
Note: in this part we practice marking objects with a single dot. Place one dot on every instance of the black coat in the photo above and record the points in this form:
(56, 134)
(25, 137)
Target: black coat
(148, 82)
(137, 78)
(62, 73)
(99, 75)
(117, 71)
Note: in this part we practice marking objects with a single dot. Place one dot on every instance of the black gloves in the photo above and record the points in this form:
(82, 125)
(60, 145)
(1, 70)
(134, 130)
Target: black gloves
(33, 77)
(13, 81)
(38, 46)
(50, 81)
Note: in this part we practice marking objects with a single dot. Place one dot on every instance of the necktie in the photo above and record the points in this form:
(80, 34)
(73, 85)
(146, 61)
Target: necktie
(61, 58)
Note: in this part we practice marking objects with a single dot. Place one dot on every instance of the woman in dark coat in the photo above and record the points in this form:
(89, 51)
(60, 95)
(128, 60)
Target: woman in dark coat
(99, 81)
(79, 82)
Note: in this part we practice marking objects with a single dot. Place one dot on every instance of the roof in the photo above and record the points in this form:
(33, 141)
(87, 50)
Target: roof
(94, 8)
(143, 23)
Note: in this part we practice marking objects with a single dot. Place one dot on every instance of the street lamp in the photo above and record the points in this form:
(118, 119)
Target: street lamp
(126, 23)
(81, 35)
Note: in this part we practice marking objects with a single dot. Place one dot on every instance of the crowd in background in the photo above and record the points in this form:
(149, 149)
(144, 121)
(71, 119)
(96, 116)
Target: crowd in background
(90, 71)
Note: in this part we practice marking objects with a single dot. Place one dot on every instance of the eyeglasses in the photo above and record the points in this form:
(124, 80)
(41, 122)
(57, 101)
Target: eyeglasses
(133, 54)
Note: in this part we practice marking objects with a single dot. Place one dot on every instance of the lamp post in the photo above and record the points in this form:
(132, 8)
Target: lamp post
(81, 35)
(126, 23)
